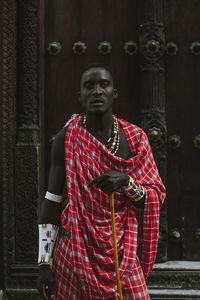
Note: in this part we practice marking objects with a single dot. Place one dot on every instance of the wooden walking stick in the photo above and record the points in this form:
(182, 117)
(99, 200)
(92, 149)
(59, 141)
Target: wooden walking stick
(120, 296)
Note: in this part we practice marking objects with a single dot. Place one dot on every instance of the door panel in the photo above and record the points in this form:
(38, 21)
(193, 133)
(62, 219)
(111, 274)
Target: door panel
(182, 25)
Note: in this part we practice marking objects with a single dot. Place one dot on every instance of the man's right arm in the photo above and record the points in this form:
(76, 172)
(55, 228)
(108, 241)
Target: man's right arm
(50, 210)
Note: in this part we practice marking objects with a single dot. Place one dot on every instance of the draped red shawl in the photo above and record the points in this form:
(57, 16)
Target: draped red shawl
(87, 215)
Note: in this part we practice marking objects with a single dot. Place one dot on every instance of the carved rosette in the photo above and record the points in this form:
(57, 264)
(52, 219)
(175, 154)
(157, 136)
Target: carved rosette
(152, 45)
(154, 120)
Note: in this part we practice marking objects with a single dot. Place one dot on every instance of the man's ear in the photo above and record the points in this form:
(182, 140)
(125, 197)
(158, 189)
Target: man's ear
(115, 92)
(79, 96)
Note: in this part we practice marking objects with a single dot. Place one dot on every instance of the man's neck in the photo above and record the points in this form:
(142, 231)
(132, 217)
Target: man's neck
(100, 124)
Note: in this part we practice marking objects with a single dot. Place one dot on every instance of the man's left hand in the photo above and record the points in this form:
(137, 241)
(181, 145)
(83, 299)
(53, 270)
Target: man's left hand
(110, 181)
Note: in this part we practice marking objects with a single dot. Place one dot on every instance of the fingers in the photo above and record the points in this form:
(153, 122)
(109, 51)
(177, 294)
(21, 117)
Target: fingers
(107, 189)
(91, 183)
(105, 183)
(110, 181)
(96, 180)
(44, 292)
(40, 289)
(46, 284)
(47, 294)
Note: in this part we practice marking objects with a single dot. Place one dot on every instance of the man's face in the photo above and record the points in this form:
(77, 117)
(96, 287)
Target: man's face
(97, 92)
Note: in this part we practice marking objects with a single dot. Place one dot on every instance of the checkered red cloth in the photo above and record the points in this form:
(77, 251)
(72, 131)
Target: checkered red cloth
(69, 286)
(88, 217)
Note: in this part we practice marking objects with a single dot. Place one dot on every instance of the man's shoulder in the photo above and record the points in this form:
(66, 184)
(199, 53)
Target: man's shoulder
(132, 128)
(75, 119)
(60, 136)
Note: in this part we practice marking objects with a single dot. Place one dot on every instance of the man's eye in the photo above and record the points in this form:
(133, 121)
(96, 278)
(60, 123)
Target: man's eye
(104, 83)
(88, 85)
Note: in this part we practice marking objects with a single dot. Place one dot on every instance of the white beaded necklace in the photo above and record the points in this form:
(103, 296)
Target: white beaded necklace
(116, 139)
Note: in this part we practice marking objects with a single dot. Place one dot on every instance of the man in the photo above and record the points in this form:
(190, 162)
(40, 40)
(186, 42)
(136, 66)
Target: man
(99, 154)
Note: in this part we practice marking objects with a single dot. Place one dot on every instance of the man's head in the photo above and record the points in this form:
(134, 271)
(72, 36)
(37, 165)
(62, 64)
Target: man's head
(97, 91)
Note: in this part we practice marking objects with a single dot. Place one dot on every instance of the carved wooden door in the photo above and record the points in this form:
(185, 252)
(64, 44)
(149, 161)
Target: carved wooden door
(182, 62)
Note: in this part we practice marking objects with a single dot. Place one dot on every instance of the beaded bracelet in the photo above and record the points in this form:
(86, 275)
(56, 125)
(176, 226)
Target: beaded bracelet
(134, 190)
(47, 237)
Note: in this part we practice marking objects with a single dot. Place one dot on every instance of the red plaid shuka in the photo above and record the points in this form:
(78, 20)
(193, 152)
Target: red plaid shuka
(87, 215)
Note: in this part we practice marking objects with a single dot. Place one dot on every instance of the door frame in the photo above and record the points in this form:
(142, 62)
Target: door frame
(21, 72)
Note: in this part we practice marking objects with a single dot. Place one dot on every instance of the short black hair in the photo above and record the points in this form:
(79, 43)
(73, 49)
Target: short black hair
(96, 65)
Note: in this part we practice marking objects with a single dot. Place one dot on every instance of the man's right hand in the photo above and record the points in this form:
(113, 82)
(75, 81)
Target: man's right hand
(46, 283)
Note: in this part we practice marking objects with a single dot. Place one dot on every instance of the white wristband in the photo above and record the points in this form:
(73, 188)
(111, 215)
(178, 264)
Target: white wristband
(53, 197)
(47, 237)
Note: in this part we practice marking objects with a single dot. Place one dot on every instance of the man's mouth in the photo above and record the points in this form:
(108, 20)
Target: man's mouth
(97, 102)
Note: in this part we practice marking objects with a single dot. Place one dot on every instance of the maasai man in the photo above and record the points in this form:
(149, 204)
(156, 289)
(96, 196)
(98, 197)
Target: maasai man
(97, 154)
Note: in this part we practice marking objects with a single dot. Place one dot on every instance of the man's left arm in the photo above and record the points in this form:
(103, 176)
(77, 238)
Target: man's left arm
(112, 181)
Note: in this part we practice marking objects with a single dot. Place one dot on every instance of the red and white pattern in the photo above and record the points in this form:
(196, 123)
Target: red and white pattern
(68, 284)
(88, 217)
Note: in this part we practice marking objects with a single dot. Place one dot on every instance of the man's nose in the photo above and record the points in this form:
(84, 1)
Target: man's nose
(97, 90)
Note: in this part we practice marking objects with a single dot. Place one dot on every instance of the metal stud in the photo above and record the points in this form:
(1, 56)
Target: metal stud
(160, 237)
(152, 46)
(196, 141)
(79, 48)
(154, 134)
(197, 234)
(104, 47)
(171, 49)
(174, 142)
(130, 47)
(195, 48)
(54, 48)
(175, 235)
